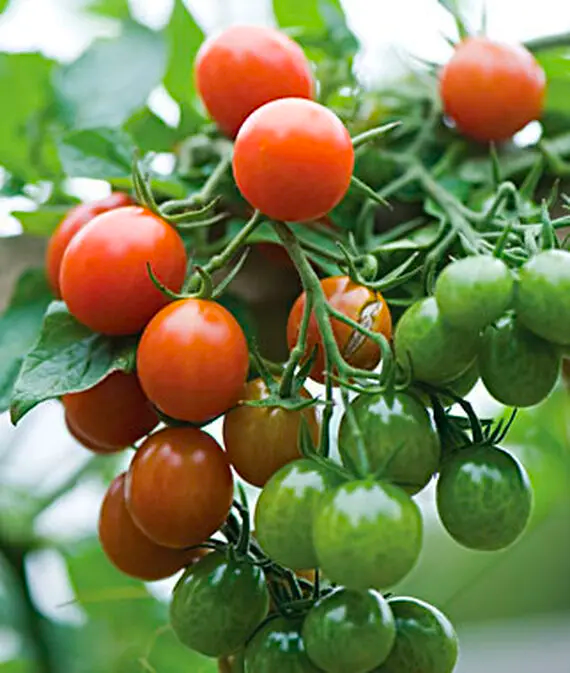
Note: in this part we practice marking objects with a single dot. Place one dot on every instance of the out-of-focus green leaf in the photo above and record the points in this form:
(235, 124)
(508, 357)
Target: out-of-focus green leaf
(150, 133)
(293, 14)
(43, 221)
(556, 64)
(97, 153)
(112, 79)
(117, 9)
(3, 5)
(67, 357)
(19, 327)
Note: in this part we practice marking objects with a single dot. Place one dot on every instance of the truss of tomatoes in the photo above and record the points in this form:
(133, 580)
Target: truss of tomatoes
(246, 595)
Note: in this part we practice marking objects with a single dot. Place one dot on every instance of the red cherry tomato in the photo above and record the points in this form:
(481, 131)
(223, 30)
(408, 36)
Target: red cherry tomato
(293, 160)
(179, 487)
(104, 278)
(356, 302)
(245, 67)
(75, 220)
(128, 548)
(193, 360)
(112, 415)
(492, 90)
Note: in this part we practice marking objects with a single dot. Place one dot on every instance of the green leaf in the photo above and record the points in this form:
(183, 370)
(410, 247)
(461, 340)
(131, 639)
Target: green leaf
(19, 327)
(3, 5)
(112, 79)
(116, 9)
(43, 221)
(67, 358)
(150, 133)
(98, 153)
(293, 14)
(556, 64)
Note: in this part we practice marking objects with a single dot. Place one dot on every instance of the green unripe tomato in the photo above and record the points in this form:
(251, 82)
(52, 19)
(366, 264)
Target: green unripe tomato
(367, 535)
(285, 511)
(518, 368)
(437, 352)
(543, 295)
(393, 435)
(278, 647)
(484, 498)
(218, 603)
(472, 293)
(349, 631)
(426, 641)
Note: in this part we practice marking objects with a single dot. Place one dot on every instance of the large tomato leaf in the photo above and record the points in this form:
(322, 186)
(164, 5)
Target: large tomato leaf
(101, 154)
(67, 358)
(150, 133)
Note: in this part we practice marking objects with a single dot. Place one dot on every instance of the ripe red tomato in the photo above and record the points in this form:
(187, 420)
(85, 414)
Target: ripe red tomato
(245, 67)
(104, 278)
(128, 549)
(193, 360)
(76, 219)
(492, 90)
(179, 487)
(260, 440)
(356, 302)
(112, 415)
(293, 160)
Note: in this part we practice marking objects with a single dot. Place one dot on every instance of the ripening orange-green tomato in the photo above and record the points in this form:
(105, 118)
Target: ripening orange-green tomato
(112, 415)
(356, 302)
(179, 487)
(128, 548)
(260, 440)
(492, 90)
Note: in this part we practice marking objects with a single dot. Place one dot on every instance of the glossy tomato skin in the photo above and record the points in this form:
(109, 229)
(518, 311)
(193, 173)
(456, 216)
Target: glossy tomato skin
(193, 360)
(293, 160)
(112, 415)
(349, 631)
(261, 440)
(543, 296)
(426, 641)
(218, 603)
(518, 368)
(367, 535)
(104, 278)
(244, 67)
(128, 548)
(484, 498)
(76, 219)
(285, 511)
(356, 302)
(179, 487)
(492, 90)
(396, 436)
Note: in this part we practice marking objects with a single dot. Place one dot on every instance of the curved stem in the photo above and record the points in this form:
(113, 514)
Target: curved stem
(298, 351)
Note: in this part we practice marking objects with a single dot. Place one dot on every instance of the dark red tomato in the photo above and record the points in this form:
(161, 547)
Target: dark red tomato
(128, 549)
(75, 220)
(245, 67)
(179, 487)
(104, 278)
(260, 440)
(492, 90)
(293, 160)
(356, 302)
(85, 441)
(112, 415)
(193, 360)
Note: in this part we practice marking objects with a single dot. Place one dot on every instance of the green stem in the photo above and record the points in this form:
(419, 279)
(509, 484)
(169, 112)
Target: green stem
(297, 352)
(212, 183)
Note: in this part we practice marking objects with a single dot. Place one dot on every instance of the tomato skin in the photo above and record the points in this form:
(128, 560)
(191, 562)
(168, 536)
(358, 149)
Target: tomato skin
(244, 67)
(349, 631)
(74, 221)
(104, 278)
(217, 604)
(518, 368)
(396, 434)
(179, 487)
(285, 511)
(484, 498)
(492, 90)
(543, 296)
(293, 160)
(261, 440)
(437, 352)
(473, 292)
(354, 301)
(426, 641)
(112, 415)
(367, 535)
(128, 548)
(193, 360)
